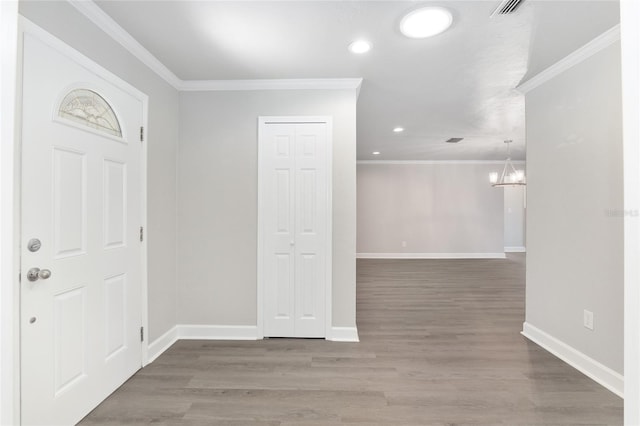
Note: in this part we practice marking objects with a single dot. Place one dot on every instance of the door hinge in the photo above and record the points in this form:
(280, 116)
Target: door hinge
(141, 233)
(142, 334)
(141, 133)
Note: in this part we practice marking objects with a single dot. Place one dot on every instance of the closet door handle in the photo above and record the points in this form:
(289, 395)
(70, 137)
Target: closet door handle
(292, 243)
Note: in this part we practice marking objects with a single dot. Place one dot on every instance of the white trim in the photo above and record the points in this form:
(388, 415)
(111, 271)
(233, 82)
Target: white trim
(272, 84)
(262, 121)
(9, 323)
(259, 247)
(103, 21)
(430, 256)
(630, 43)
(344, 334)
(144, 270)
(437, 162)
(229, 332)
(515, 249)
(581, 362)
(328, 316)
(294, 119)
(28, 27)
(161, 344)
(217, 332)
(599, 43)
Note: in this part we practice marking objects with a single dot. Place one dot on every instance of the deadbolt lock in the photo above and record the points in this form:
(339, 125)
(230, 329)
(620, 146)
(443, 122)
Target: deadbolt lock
(34, 245)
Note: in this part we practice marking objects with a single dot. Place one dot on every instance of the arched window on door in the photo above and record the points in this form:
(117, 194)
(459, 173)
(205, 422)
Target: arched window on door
(86, 107)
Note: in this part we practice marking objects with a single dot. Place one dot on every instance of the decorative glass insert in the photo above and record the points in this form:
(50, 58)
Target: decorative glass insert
(88, 108)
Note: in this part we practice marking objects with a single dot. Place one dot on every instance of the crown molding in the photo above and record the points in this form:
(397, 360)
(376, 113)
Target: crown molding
(599, 43)
(103, 21)
(99, 17)
(272, 84)
(437, 162)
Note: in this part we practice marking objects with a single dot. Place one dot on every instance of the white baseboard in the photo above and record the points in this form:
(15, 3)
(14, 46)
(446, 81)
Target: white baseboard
(581, 362)
(343, 334)
(430, 256)
(218, 332)
(161, 344)
(227, 332)
(515, 249)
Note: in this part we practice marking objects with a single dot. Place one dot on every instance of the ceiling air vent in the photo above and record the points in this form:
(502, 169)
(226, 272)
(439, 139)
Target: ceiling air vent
(453, 140)
(506, 7)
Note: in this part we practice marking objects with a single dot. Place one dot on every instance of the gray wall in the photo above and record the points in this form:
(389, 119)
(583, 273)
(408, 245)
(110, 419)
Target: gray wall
(574, 202)
(433, 207)
(217, 200)
(64, 22)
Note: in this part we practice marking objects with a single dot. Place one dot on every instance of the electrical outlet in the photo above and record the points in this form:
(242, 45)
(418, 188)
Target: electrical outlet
(404, 244)
(588, 319)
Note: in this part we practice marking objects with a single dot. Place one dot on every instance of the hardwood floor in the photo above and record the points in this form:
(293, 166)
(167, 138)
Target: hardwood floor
(440, 344)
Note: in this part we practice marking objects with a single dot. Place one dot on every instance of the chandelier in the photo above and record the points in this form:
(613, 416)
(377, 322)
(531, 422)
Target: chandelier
(509, 176)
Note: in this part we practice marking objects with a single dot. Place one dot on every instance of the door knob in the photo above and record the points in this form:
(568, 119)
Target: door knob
(35, 274)
(292, 243)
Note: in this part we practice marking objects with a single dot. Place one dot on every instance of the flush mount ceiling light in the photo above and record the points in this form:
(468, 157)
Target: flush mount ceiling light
(359, 47)
(509, 176)
(376, 152)
(426, 22)
(398, 129)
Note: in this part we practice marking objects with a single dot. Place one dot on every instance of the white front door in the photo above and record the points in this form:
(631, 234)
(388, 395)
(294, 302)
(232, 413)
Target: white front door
(81, 200)
(294, 199)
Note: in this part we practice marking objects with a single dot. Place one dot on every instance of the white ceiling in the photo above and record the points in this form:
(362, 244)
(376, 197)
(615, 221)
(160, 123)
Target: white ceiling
(457, 84)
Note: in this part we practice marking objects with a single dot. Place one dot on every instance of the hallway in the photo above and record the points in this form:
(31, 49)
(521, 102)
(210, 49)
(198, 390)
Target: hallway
(440, 344)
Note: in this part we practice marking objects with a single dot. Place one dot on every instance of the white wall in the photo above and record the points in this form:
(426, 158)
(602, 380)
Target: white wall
(64, 22)
(217, 200)
(574, 208)
(433, 207)
(514, 214)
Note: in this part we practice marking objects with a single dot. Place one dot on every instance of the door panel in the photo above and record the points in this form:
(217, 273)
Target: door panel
(70, 202)
(115, 314)
(115, 204)
(308, 203)
(69, 328)
(283, 286)
(294, 199)
(81, 192)
(308, 286)
(283, 197)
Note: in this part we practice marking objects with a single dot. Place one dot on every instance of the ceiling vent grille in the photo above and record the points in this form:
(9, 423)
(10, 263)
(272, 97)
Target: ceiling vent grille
(507, 7)
(453, 140)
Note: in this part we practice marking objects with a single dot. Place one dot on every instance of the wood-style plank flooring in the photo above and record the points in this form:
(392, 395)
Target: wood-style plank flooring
(440, 345)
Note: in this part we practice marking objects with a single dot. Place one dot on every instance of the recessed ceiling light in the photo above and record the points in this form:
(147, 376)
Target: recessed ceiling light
(376, 152)
(398, 129)
(360, 46)
(426, 22)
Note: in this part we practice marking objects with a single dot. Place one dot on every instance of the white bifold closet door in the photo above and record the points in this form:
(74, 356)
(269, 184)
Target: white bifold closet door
(295, 196)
